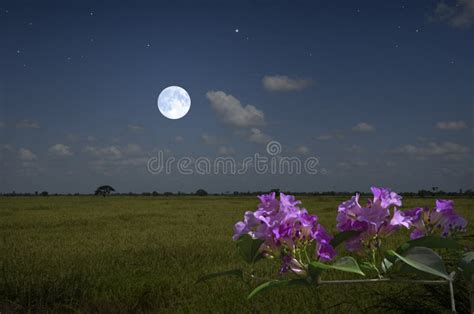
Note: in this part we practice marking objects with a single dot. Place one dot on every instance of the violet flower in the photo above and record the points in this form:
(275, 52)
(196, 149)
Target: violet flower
(441, 219)
(373, 221)
(287, 231)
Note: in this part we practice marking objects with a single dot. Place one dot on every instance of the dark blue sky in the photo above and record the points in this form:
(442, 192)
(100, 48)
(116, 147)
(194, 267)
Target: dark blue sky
(380, 91)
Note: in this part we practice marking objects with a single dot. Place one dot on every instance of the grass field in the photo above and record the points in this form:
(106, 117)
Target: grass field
(144, 254)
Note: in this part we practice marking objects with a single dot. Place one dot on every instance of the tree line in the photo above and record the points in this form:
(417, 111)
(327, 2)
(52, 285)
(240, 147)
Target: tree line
(106, 190)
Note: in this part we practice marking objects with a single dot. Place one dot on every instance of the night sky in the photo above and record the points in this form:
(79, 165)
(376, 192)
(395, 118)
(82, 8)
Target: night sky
(380, 91)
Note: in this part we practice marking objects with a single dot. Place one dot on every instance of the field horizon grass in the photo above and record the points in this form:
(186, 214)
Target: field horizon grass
(144, 254)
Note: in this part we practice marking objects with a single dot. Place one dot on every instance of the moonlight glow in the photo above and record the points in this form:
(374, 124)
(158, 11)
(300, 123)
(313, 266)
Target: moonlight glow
(174, 102)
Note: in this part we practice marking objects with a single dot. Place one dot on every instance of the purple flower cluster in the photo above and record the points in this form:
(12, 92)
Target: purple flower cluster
(442, 219)
(287, 231)
(373, 221)
(291, 234)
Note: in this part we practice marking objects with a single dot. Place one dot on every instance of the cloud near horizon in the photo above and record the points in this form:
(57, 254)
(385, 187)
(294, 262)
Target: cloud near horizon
(27, 124)
(61, 150)
(448, 150)
(363, 127)
(257, 136)
(451, 125)
(26, 155)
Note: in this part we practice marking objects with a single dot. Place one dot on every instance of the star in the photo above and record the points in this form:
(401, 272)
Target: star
(396, 46)
(148, 45)
(6, 11)
(417, 30)
(68, 58)
(452, 61)
(18, 51)
(236, 30)
(92, 39)
(91, 13)
(30, 23)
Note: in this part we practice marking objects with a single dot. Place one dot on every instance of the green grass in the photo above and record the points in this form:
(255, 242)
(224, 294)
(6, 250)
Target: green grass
(144, 254)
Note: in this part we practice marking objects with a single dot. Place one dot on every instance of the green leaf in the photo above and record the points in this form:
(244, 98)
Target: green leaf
(233, 272)
(276, 284)
(467, 265)
(343, 236)
(248, 248)
(423, 259)
(386, 265)
(432, 242)
(347, 264)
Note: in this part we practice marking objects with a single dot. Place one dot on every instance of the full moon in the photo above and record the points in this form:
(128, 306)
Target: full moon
(174, 102)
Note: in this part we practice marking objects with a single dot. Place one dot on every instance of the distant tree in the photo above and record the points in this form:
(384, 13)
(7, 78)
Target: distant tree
(44, 193)
(201, 192)
(424, 193)
(168, 193)
(154, 193)
(236, 193)
(104, 190)
(276, 191)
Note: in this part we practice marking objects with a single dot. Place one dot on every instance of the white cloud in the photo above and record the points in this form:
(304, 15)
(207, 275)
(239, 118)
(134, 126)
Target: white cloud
(178, 139)
(212, 140)
(27, 124)
(330, 136)
(257, 136)
(61, 150)
(230, 110)
(132, 149)
(26, 155)
(451, 125)
(448, 150)
(325, 137)
(363, 127)
(135, 128)
(112, 152)
(226, 151)
(283, 83)
(460, 15)
(302, 150)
